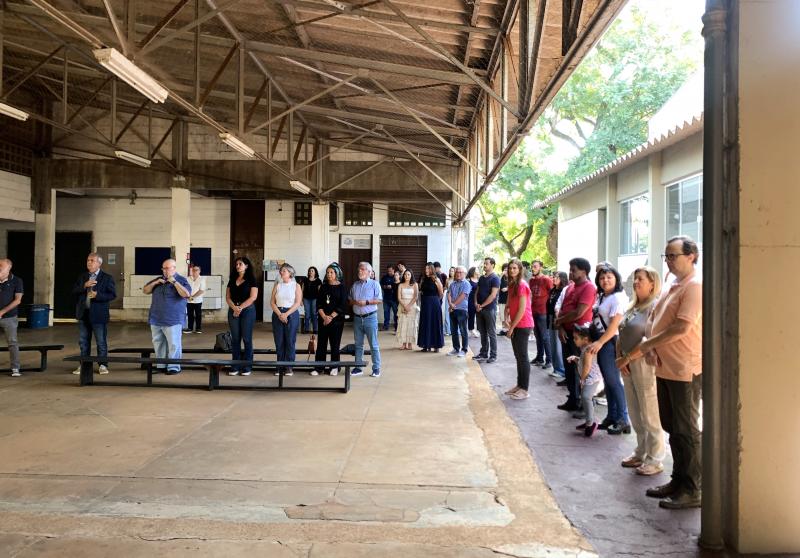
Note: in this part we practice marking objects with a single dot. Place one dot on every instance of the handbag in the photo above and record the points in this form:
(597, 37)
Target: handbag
(312, 346)
(223, 342)
(598, 325)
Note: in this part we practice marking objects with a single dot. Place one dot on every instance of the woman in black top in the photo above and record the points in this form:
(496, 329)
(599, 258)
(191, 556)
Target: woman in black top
(331, 304)
(431, 334)
(311, 287)
(241, 295)
(560, 281)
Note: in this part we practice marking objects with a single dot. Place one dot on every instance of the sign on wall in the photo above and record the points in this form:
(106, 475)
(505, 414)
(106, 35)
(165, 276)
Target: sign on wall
(355, 241)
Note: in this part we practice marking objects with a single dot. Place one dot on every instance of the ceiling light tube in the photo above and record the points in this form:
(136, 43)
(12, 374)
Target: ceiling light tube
(116, 63)
(299, 186)
(131, 158)
(8, 110)
(237, 144)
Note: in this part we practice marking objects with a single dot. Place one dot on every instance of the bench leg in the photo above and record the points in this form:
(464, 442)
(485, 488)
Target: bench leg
(43, 365)
(346, 379)
(87, 378)
(144, 366)
(149, 367)
(280, 378)
(213, 376)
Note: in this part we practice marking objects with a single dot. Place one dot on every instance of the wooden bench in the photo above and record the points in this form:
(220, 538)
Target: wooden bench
(214, 368)
(42, 350)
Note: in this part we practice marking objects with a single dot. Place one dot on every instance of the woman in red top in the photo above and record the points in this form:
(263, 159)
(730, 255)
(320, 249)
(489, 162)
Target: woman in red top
(518, 324)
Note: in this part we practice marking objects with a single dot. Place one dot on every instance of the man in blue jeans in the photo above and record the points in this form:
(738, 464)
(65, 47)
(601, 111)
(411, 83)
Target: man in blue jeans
(365, 295)
(389, 286)
(457, 304)
(93, 291)
(540, 285)
(167, 311)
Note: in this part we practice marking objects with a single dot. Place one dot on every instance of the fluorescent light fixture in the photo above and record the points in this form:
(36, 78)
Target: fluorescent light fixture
(8, 110)
(131, 158)
(336, 4)
(299, 186)
(237, 144)
(116, 63)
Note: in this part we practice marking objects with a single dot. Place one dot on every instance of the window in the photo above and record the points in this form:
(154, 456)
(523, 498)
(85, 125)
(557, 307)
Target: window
(302, 213)
(358, 214)
(634, 234)
(422, 216)
(685, 208)
(333, 214)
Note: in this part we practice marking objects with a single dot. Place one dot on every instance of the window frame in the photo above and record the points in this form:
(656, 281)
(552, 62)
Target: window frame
(624, 247)
(301, 207)
(360, 215)
(422, 221)
(680, 186)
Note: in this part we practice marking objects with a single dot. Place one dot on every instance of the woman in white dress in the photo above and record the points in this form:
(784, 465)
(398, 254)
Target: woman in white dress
(407, 311)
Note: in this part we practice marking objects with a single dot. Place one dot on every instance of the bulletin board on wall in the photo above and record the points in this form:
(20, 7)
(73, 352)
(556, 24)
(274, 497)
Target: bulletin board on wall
(147, 260)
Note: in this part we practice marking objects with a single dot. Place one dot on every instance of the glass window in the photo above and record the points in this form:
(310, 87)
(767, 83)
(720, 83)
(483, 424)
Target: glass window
(358, 214)
(634, 215)
(333, 215)
(403, 216)
(302, 213)
(685, 209)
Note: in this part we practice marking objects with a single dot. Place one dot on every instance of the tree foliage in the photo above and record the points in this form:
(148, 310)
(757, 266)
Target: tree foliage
(601, 113)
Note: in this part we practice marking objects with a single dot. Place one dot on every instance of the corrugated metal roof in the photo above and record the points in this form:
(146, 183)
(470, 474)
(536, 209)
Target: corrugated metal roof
(673, 136)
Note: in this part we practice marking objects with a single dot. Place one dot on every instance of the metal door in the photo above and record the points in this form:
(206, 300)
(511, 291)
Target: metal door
(114, 265)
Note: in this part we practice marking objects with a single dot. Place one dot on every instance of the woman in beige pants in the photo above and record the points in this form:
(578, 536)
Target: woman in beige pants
(640, 377)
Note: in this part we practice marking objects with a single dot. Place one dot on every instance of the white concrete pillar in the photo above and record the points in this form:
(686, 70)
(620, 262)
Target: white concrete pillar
(181, 226)
(612, 221)
(658, 211)
(45, 255)
(320, 235)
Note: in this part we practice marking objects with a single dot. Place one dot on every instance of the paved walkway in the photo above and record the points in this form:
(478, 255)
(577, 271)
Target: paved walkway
(423, 461)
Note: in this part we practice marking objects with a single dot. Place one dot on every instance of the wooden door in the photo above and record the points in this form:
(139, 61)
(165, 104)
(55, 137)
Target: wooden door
(247, 240)
(114, 265)
(411, 250)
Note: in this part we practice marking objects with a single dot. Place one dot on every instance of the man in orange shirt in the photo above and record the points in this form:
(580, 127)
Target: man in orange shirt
(674, 345)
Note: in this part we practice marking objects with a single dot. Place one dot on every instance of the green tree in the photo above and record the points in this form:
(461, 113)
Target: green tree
(601, 113)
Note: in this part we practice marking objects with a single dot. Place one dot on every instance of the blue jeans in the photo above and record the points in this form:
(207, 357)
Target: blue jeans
(389, 306)
(285, 335)
(542, 334)
(367, 327)
(445, 316)
(310, 309)
(85, 331)
(242, 331)
(458, 324)
(615, 391)
(555, 352)
(167, 344)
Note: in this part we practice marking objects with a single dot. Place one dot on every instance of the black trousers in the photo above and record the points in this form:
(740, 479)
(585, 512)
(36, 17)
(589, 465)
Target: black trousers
(329, 334)
(572, 376)
(519, 342)
(195, 310)
(679, 408)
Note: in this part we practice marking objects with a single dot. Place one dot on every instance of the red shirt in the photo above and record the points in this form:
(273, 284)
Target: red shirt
(584, 293)
(513, 305)
(540, 289)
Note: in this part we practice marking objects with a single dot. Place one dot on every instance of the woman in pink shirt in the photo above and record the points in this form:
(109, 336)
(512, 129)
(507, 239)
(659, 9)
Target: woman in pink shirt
(518, 324)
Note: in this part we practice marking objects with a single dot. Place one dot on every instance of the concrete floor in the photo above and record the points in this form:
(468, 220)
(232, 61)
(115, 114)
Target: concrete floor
(423, 461)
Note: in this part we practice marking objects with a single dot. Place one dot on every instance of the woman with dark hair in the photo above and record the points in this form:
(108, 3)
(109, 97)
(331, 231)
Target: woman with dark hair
(518, 324)
(431, 290)
(311, 286)
(607, 313)
(331, 306)
(286, 298)
(408, 311)
(560, 282)
(472, 277)
(240, 296)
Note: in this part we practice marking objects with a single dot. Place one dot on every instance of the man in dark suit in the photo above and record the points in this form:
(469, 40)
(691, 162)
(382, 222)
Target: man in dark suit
(93, 290)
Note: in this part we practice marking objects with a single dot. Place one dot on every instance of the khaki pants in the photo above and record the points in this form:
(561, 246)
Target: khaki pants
(641, 394)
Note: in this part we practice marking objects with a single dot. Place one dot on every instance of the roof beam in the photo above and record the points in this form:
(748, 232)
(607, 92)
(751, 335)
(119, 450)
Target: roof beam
(163, 23)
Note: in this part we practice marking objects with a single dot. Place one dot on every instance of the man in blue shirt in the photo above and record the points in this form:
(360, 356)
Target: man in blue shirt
(389, 287)
(365, 295)
(93, 291)
(167, 311)
(10, 298)
(486, 311)
(457, 305)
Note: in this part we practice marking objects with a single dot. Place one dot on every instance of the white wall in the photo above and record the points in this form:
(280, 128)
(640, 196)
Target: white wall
(15, 197)
(589, 199)
(683, 159)
(577, 237)
(632, 181)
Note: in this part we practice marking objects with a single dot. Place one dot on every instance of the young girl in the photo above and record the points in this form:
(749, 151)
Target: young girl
(590, 377)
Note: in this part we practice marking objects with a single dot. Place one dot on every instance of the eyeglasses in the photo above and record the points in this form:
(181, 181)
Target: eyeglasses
(671, 257)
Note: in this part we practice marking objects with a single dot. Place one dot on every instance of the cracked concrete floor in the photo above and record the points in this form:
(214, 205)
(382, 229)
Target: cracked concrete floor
(423, 461)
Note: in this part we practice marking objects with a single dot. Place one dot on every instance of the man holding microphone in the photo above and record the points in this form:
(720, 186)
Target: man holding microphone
(167, 311)
(93, 290)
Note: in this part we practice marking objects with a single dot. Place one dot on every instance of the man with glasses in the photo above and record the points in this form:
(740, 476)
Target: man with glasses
(167, 311)
(674, 345)
(365, 295)
(93, 291)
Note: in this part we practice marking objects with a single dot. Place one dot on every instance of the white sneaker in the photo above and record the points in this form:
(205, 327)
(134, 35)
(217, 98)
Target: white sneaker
(77, 371)
(16, 373)
(334, 371)
(289, 372)
(233, 373)
(246, 372)
(461, 354)
(101, 370)
(453, 353)
(314, 373)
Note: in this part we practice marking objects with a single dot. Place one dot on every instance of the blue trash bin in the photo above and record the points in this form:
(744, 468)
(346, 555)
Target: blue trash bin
(39, 316)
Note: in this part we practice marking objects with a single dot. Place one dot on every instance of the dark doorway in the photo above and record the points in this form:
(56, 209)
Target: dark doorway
(21, 247)
(411, 250)
(71, 251)
(247, 240)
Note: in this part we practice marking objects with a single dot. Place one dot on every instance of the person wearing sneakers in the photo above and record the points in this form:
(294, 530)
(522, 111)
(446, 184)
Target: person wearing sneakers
(640, 377)
(365, 295)
(457, 305)
(674, 344)
(240, 296)
(540, 284)
(93, 290)
(518, 323)
(285, 301)
(167, 312)
(486, 311)
(590, 376)
(10, 297)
